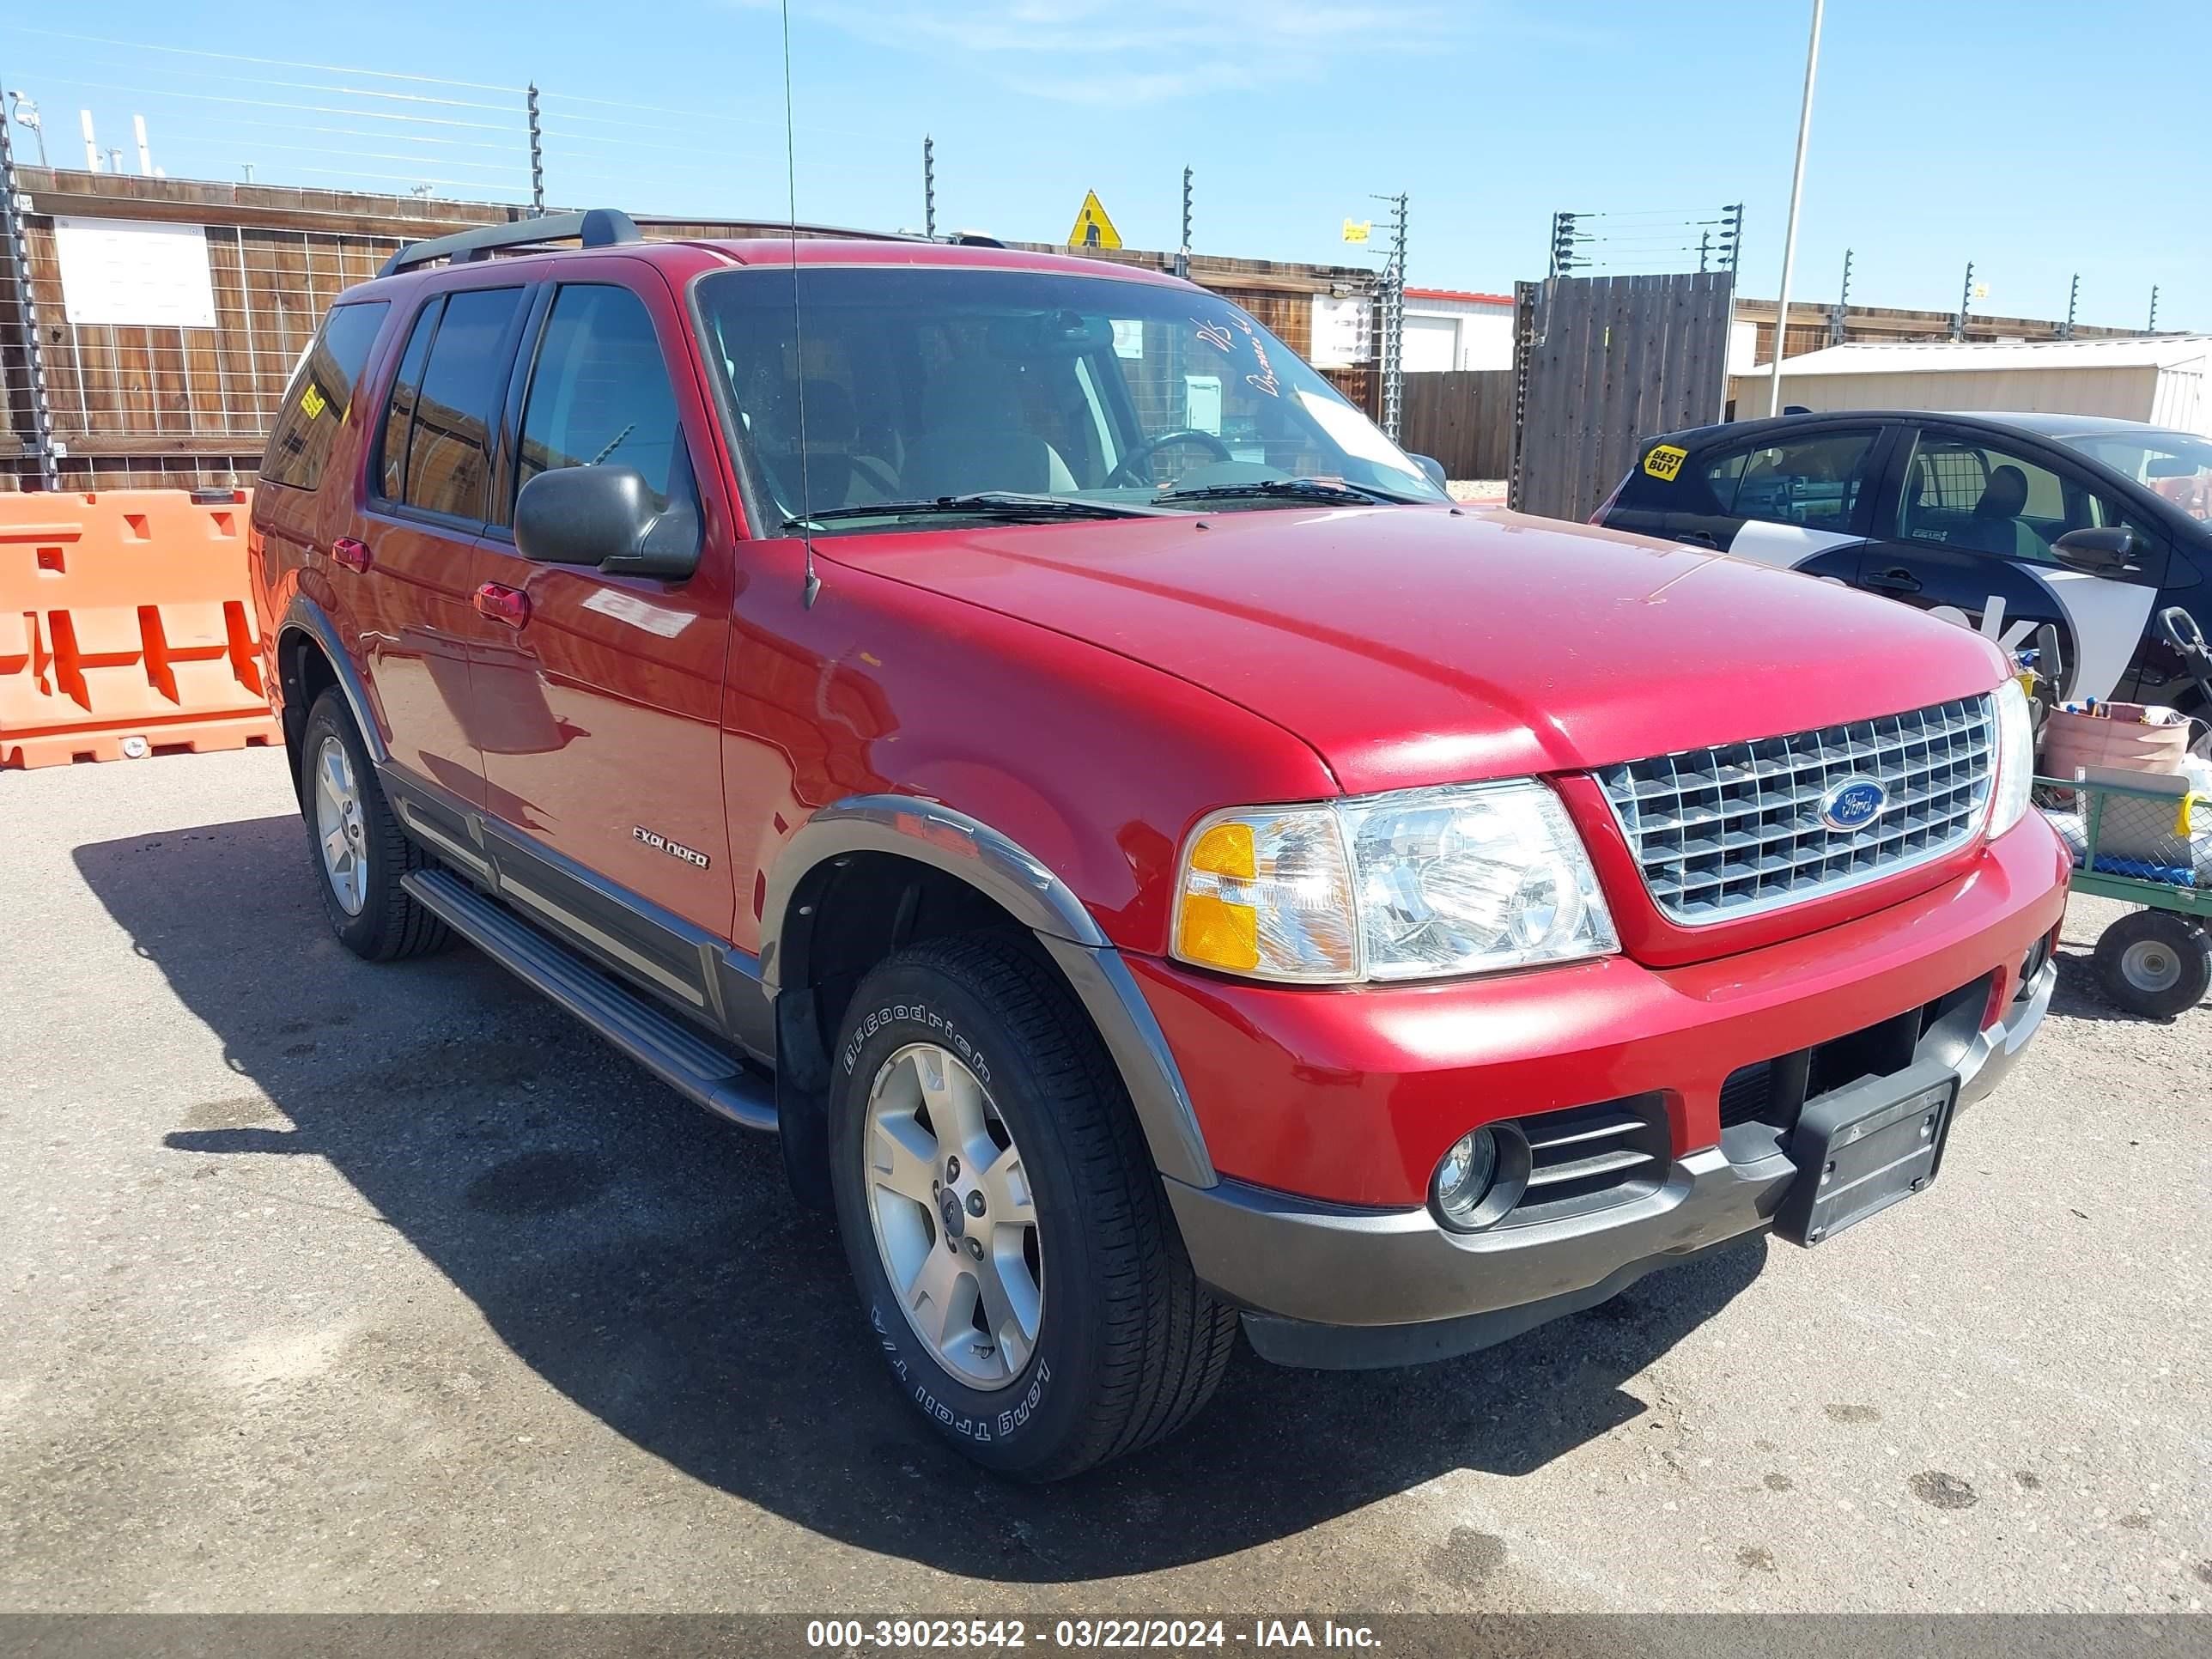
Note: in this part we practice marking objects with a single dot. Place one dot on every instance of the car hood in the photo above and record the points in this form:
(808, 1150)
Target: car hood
(1412, 645)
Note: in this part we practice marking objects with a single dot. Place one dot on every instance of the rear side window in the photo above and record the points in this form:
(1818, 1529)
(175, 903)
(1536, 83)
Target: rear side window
(1813, 480)
(399, 407)
(320, 394)
(600, 392)
(441, 403)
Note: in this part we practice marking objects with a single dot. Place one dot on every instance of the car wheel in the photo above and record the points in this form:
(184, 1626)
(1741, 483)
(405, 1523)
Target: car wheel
(355, 845)
(1021, 1271)
(2155, 963)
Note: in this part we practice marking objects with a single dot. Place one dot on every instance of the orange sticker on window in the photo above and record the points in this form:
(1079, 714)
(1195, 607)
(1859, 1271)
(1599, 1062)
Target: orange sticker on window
(1665, 461)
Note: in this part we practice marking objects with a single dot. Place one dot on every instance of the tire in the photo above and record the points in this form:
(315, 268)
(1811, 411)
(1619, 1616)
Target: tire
(372, 914)
(1126, 1348)
(2155, 963)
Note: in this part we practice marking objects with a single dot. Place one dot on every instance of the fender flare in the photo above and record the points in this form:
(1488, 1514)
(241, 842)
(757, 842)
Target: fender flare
(305, 615)
(927, 832)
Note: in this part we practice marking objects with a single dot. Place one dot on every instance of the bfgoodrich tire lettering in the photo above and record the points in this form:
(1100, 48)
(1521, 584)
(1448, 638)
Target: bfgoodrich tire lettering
(372, 914)
(1128, 1348)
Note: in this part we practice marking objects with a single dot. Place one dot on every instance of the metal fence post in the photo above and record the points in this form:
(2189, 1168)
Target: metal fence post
(1182, 249)
(1391, 319)
(929, 187)
(537, 159)
(41, 437)
(1843, 304)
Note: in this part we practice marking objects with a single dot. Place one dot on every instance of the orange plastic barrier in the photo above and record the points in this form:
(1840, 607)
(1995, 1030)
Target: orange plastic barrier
(125, 630)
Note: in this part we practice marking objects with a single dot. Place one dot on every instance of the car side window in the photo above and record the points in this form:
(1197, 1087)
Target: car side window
(1814, 480)
(399, 406)
(1961, 492)
(449, 447)
(321, 391)
(600, 392)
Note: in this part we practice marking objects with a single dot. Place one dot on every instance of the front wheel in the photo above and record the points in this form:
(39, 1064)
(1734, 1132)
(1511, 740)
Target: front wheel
(2155, 963)
(1021, 1271)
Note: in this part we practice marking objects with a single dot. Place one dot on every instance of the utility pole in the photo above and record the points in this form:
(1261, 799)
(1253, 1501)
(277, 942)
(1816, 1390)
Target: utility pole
(1393, 319)
(1182, 249)
(1789, 231)
(41, 438)
(1843, 303)
(2073, 299)
(929, 187)
(2152, 329)
(1965, 300)
(537, 158)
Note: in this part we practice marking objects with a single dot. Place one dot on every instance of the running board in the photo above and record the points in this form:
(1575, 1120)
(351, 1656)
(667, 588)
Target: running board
(664, 1045)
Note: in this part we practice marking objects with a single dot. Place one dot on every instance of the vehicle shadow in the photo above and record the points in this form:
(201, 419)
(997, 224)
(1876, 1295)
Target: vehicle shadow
(645, 1259)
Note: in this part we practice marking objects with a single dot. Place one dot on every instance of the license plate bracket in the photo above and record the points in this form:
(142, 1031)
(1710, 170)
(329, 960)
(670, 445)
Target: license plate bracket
(1861, 1148)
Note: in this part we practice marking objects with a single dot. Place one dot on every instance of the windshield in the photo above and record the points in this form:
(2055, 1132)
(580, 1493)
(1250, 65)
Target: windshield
(924, 384)
(2176, 464)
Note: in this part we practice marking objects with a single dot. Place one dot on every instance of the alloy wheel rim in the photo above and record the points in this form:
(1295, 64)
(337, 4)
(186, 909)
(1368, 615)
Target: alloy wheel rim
(954, 1217)
(2151, 966)
(338, 826)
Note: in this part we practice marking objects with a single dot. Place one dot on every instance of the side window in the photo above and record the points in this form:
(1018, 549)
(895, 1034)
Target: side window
(601, 393)
(1959, 492)
(1813, 481)
(399, 407)
(1723, 475)
(449, 445)
(321, 392)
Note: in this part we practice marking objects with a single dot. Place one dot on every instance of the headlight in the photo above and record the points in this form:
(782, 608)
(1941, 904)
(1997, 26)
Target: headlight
(2016, 758)
(1419, 883)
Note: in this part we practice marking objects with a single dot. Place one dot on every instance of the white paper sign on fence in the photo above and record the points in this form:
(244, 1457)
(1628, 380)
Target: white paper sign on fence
(1340, 331)
(132, 272)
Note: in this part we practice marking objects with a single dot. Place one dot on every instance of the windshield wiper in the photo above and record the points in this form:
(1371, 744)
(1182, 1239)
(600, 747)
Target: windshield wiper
(981, 504)
(1304, 490)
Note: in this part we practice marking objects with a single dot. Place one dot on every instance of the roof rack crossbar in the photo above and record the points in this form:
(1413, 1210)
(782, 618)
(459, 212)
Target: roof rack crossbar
(592, 228)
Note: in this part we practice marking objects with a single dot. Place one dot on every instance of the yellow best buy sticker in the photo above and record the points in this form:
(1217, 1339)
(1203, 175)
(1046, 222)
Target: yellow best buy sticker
(1665, 461)
(314, 402)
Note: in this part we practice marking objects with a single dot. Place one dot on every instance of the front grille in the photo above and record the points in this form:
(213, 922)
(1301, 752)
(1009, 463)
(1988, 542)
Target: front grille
(1735, 829)
(1588, 1157)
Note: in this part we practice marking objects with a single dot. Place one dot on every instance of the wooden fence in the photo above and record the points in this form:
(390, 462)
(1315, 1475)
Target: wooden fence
(1463, 417)
(1604, 361)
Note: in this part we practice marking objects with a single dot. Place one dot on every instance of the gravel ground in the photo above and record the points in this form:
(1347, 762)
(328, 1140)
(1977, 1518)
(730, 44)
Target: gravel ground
(338, 1287)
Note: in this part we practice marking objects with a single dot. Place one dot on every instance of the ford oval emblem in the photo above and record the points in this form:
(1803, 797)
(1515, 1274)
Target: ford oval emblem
(1853, 804)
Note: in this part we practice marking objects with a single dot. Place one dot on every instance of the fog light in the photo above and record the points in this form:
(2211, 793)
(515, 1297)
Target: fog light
(1464, 1176)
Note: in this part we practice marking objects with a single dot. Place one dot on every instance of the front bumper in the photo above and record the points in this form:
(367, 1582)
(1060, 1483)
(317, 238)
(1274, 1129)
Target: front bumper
(1348, 1284)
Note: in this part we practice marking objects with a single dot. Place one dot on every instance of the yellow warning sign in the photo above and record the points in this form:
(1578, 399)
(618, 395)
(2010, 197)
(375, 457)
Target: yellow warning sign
(1356, 230)
(1665, 461)
(1092, 228)
(312, 400)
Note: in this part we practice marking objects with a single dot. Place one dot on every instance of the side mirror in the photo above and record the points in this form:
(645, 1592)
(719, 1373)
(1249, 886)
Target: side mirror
(605, 516)
(1432, 466)
(2107, 552)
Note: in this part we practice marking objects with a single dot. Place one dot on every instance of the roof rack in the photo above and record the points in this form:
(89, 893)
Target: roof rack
(592, 228)
(610, 227)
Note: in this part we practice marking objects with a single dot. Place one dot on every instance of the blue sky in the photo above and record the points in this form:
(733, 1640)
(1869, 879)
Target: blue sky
(2035, 138)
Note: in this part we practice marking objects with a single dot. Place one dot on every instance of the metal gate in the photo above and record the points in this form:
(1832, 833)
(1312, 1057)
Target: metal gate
(1601, 362)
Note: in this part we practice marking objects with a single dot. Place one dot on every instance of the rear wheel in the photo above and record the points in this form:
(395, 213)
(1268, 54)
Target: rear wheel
(356, 846)
(2155, 963)
(1003, 1220)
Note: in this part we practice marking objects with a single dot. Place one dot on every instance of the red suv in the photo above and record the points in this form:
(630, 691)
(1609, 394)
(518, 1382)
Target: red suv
(1005, 724)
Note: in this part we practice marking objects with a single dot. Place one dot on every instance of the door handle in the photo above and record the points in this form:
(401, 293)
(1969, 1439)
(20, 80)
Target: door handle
(352, 554)
(503, 604)
(1893, 581)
